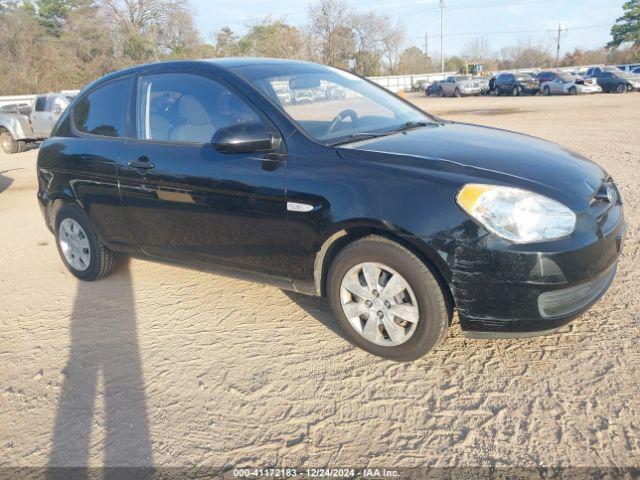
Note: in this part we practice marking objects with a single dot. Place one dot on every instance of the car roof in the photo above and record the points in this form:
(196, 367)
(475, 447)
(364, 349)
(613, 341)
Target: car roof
(221, 64)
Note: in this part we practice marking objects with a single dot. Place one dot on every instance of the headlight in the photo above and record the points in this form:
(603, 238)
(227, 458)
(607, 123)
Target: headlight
(517, 215)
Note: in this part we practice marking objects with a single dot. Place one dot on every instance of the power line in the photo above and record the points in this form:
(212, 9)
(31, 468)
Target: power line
(512, 32)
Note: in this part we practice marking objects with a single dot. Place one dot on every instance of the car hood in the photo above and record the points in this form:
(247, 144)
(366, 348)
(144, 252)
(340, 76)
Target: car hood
(490, 154)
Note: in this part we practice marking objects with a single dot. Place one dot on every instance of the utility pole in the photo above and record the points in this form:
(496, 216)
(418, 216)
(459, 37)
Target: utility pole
(442, 35)
(426, 52)
(558, 44)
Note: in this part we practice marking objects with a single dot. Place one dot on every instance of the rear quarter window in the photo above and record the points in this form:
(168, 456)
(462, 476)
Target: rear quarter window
(103, 110)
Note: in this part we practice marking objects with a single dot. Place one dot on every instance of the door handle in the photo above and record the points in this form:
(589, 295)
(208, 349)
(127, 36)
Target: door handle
(141, 164)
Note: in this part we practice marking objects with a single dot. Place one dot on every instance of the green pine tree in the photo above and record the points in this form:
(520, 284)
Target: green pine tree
(627, 27)
(52, 14)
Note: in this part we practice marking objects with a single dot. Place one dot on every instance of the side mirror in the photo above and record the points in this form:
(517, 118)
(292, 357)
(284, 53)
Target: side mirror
(243, 138)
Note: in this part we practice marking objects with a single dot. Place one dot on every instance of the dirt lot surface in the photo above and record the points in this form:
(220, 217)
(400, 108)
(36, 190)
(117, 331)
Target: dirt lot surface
(158, 364)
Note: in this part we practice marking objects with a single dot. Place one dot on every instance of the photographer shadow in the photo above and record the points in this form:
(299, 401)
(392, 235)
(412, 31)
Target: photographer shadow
(104, 345)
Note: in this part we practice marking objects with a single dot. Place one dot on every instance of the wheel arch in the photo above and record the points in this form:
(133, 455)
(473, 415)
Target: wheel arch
(344, 235)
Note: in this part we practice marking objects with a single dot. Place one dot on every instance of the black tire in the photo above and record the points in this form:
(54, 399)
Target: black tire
(102, 260)
(547, 91)
(457, 93)
(516, 91)
(573, 91)
(621, 88)
(435, 311)
(9, 144)
(497, 92)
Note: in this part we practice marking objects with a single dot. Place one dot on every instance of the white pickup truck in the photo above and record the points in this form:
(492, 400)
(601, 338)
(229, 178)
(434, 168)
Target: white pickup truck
(20, 127)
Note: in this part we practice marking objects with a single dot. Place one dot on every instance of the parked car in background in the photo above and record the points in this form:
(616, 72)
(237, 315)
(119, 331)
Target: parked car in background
(564, 83)
(419, 86)
(335, 92)
(396, 216)
(303, 97)
(284, 95)
(619, 82)
(19, 129)
(460, 86)
(516, 84)
(434, 88)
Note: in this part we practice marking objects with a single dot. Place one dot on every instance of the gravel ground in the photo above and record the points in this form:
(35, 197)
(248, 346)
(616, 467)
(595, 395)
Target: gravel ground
(161, 365)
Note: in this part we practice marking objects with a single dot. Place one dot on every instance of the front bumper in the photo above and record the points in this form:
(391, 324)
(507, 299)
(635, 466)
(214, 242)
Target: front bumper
(504, 290)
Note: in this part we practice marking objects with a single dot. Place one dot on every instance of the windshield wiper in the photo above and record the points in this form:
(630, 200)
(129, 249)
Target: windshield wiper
(354, 137)
(357, 136)
(408, 126)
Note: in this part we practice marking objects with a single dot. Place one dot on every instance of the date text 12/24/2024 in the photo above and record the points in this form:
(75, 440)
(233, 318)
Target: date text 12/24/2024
(314, 473)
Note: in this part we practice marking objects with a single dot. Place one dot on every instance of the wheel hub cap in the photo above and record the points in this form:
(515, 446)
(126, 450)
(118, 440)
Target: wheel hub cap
(379, 304)
(74, 244)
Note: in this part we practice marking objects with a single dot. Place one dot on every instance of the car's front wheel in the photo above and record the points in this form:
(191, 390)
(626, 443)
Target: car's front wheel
(9, 144)
(621, 88)
(80, 249)
(386, 299)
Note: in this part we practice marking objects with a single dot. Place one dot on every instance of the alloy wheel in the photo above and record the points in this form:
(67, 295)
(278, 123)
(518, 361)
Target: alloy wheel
(74, 244)
(379, 304)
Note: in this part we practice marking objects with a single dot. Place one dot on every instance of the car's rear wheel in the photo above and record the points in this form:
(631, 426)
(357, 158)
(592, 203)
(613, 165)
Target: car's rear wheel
(386, 299)
(573, 91)
(516, 91)
(9, 144)
(80, 249)
(546, 91)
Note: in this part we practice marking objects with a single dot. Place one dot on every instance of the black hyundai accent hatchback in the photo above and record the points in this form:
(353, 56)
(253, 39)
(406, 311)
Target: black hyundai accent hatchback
(396, 216)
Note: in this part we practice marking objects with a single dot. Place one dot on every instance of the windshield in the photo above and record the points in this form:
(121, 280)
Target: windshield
(524, 77)
(332, 105)
(566, 77)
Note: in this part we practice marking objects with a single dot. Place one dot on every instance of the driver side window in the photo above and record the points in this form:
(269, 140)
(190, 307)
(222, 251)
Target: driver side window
(177, 107)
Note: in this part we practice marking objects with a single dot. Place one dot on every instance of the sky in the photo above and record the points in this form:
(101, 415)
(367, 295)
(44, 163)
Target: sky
(502, 22)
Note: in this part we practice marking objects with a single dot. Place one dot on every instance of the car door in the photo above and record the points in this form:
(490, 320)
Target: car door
(555, 84)
(39, 117)
(188, 202)
(84, 164)
(447, 86)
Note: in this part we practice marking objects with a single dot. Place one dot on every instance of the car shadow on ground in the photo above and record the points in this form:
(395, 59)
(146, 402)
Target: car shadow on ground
(103, 371)
(318, 308)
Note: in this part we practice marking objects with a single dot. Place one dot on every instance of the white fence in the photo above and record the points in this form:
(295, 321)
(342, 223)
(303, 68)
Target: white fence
(399, 83)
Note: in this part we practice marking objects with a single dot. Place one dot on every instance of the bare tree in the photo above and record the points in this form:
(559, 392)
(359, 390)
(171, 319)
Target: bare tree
(151, 29)
(477, 50)
(392, 39)
(331, 32)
